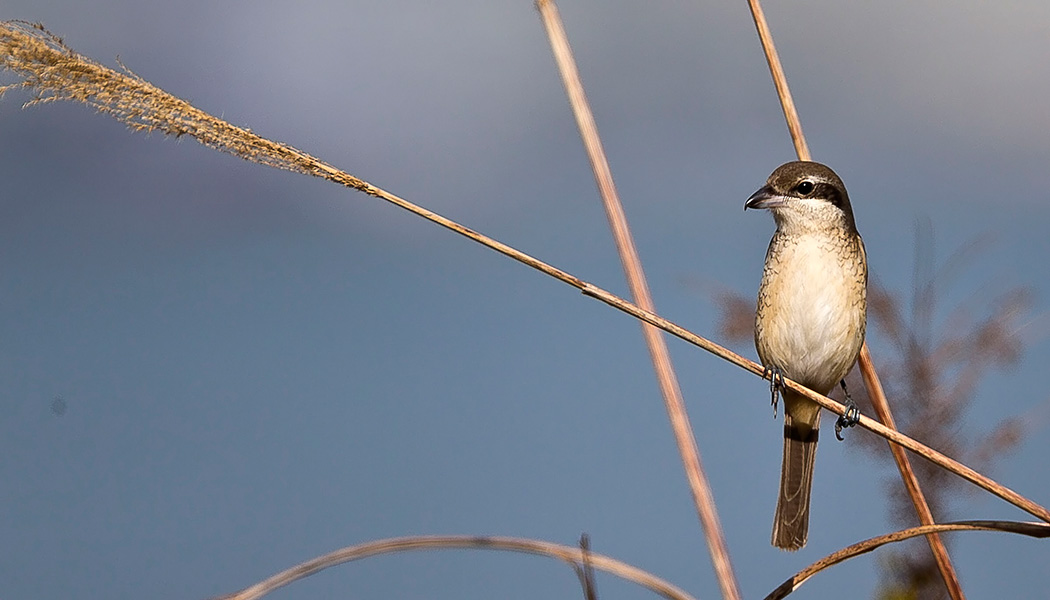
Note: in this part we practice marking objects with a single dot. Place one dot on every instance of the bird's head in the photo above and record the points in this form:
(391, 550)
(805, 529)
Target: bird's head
(805, 195)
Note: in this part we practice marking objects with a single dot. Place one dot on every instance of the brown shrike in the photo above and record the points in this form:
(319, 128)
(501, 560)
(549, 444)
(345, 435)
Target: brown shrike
(809, 326)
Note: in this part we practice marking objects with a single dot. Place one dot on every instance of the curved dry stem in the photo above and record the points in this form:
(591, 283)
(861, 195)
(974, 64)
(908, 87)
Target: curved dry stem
(871, 378)
(703, 497)
(573, 556)
(24, 53)
(1037, 530)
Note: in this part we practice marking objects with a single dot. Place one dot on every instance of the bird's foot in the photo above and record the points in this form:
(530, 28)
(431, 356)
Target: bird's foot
(850, 418)
(776, 382)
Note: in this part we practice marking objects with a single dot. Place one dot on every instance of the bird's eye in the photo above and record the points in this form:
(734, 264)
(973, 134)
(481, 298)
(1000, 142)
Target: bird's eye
(804, 188)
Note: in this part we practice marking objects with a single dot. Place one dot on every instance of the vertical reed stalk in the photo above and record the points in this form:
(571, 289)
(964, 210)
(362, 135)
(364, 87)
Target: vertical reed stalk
(871, 378)
(703, 497)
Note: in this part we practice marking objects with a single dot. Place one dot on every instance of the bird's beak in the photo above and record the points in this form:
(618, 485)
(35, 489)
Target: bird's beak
(765, 198)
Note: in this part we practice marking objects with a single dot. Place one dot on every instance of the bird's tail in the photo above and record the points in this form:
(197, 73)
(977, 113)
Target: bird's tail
(791, 524)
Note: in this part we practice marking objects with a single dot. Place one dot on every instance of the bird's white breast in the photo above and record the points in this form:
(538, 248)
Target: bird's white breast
(811, 309)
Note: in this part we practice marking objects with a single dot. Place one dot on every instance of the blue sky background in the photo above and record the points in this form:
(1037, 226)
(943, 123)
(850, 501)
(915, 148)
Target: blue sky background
(258, 367)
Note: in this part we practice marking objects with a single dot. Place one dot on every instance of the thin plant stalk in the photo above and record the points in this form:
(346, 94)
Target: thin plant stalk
(1036, 530)
(871, 378)
(573, 556)
(57, 73)
(703, 497)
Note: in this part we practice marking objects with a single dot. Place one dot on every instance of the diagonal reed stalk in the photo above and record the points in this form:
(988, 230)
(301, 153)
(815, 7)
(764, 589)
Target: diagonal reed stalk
(871, 378)
(703, 497)
(54, 72)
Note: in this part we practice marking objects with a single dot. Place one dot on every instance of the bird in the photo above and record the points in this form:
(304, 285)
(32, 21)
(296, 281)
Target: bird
(810, 318)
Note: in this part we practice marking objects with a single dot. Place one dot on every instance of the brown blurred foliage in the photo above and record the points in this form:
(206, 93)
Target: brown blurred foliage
(930, 363)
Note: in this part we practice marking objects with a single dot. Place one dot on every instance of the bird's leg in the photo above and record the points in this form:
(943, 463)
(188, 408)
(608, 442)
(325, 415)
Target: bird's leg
(852, 415)
(776, 381)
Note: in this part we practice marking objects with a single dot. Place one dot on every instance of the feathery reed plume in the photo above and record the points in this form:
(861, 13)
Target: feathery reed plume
(55, 72)
(937, 369)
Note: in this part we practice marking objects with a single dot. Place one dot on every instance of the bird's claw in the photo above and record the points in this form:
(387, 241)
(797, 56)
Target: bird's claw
(849, 418)
(776, 382)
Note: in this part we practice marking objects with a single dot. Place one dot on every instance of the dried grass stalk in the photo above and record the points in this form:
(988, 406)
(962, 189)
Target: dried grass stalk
(55, 72)
(1036, 530)
(871, 378)
(573, 556)
(674, 402)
